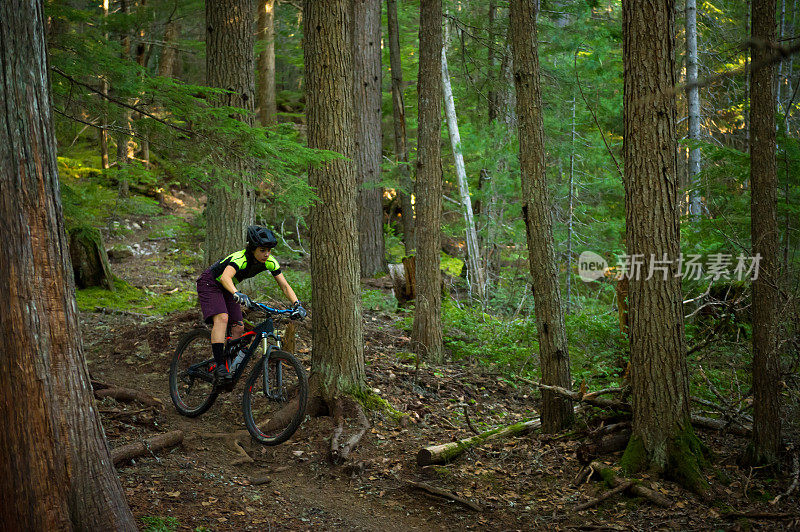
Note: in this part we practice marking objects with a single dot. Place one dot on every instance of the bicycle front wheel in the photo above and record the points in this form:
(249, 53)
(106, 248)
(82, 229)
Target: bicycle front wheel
(191, 375)
(274, 401)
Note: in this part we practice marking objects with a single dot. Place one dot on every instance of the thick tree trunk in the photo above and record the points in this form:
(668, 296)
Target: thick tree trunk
(399, 111)
(662, 435)
(56, 473)
(426, 333)
(169, 55)
(367, 97)
(693, 100)
(337, 363)
(267, 104)
(553, 352)
(230, 66)
(764, 235)
(477, 279)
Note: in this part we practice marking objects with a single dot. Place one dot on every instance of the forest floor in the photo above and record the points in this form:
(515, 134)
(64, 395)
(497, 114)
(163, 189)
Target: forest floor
(521, 483)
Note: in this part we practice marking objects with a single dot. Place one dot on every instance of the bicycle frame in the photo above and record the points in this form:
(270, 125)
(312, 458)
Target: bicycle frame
(261, 335)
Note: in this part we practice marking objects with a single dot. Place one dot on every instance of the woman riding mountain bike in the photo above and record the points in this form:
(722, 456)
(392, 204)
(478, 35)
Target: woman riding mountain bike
(220, 300)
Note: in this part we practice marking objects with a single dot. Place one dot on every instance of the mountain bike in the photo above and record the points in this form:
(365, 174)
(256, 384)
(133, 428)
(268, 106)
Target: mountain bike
(276, 392)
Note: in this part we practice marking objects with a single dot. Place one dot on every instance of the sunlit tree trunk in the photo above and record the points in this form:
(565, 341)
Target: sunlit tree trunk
(399, 111)
(337, 363)
(55, 471)
(553, 352)
(367, 97)
(693, 99)
(169, 55)
(123, 137)
(765, 444)
(474, 268)
(426, 332)
(267, 103)
(662, 435)
(230, 66)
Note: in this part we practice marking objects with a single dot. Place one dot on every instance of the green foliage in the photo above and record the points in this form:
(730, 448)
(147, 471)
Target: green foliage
(127, 297)
(160, 524)
(377, 300)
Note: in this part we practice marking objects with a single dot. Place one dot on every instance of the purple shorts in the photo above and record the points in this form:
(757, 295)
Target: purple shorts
(214, 299)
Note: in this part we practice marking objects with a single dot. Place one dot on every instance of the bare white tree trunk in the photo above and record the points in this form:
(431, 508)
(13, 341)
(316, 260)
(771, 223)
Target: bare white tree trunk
(693, 99)
(571, 208)
(475, 271)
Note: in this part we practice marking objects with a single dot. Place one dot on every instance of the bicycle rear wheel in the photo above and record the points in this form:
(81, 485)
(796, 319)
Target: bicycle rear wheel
(274, 402)
(191, 375)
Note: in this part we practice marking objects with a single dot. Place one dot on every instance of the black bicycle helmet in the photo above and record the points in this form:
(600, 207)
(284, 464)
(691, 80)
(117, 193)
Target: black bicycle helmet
(261, 237)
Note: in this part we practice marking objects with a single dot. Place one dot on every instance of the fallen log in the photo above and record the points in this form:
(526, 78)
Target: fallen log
(128, 394)
(439, 454)
(446, 494)
(611, 478)
(723, 426)
(607, 444)
(148, 446)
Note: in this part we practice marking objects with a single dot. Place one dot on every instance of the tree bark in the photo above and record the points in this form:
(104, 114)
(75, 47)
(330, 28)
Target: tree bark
(169, 55)
(230, 66)
(368, 143)
(764, 235)
(399, 112)
(337, 364)
(426, 333)
(662, 435)
(56, 473)
(267, 103)
(553, 351)
(477, 279)
(104, 129)
(123, 137)
(693, 100)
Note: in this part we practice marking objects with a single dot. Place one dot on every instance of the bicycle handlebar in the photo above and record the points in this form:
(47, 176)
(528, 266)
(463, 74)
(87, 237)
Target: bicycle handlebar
(270, 310)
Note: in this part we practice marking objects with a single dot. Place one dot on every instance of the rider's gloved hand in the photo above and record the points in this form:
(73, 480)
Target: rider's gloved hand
(242, 299)
(298, 312)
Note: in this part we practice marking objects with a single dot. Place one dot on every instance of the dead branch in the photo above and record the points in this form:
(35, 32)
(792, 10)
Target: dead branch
(607, 495)
(148, 446)
(608, 474)
(588, 398)
(446, 494)
(607, 444)
(120, 312)
(469, 422)
(340, 452)
(128, 394)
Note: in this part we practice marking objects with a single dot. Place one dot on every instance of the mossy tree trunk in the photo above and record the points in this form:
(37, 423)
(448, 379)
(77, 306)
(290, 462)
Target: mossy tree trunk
(337, 363)
(426, 332)
(662, 435)
(55, 471)
(766, 442)
(89, 258)
(553, 351)
(230, 65)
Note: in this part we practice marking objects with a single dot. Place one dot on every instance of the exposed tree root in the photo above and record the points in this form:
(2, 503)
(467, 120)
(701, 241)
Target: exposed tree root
(446, 494)
(340, 451)
(234, 441)
(607, 495)
(611, 478)
(127, 395)
(148, 446)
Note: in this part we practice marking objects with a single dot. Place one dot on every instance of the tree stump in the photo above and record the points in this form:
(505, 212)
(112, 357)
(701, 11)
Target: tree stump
(403, 277)
(89, 258)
